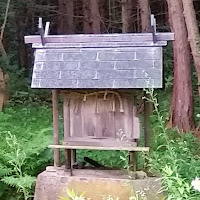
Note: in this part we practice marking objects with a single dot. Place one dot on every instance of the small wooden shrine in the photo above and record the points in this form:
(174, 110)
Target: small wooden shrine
(96, 76)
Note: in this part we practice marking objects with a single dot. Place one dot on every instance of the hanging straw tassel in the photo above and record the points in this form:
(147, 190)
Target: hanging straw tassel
(105, 96)
(85, 97)
(76, 104)
(113, 103)
(121, 109)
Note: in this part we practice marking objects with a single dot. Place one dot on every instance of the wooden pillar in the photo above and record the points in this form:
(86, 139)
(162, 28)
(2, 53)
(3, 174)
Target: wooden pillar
(147, 112)
(69, 158)
(56, 127)
(68, 162)
(66, 117)
(133, 160)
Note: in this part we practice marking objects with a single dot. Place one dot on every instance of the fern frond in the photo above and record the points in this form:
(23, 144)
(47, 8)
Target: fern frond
(20, 182)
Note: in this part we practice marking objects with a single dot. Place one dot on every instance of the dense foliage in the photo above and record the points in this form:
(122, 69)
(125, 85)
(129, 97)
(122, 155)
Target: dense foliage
(26, 121)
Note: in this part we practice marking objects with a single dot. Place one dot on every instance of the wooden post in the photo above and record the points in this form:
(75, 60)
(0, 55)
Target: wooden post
(147, 112)
(67, 155)
(69, 159)
(56, 127)
(73, 156)
(133, 160)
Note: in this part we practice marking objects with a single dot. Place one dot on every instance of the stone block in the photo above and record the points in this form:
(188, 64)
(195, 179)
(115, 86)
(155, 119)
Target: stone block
(96, 184)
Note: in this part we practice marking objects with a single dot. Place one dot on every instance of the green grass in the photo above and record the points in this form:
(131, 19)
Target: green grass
(31, 123)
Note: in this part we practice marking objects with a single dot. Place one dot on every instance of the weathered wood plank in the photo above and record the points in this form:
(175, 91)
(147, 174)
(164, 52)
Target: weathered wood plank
(76, 116)
(96, 118)
(98, 142)
(133, 160)
(99, 45)
(93, 38)
(56, 126)
(67, 155)
(66, 116)
(105, 116)
(135, 149)
(90, 109)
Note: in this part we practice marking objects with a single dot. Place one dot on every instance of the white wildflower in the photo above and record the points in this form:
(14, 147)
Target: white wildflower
(196, 184)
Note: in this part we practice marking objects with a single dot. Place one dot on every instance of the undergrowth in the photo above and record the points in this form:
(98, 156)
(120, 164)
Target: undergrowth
(25, 133)
(174, 157)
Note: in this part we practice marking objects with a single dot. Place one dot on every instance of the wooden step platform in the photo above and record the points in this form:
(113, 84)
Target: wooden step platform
(117, 148)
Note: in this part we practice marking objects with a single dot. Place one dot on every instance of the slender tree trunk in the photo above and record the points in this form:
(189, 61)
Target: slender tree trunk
(2, 49)
(92, 20)
(145, 15)
(193, 38)
(103, 4)
(66, 16)
(145, 25)
(182, 99)
(127, 11)
(193, 34)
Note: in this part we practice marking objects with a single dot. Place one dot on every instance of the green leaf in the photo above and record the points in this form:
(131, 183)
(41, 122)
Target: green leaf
(63, 198)
(71, 194)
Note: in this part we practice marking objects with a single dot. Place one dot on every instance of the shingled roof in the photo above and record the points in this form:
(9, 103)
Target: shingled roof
(99, 61)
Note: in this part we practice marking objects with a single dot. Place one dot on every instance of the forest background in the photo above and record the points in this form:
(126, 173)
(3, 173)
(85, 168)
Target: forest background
(26, 120)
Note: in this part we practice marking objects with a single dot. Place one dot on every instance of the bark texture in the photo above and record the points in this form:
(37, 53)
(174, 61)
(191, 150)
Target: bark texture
(193, 33)
(3, 89)
(127, 11)
(66, 17)
(182, 98)
(145, 25)
(145, 15)
(92, 20)
(193, 38)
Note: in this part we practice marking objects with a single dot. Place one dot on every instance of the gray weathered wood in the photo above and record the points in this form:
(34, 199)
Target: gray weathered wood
(66, 117)
(99, 45)
(99, 115)
(117, 148)
(47, 26)
(153, 28)
(56, 127)
(67, 155)
(147, 113)
(133, 160)
(41, 31)
(93, 38)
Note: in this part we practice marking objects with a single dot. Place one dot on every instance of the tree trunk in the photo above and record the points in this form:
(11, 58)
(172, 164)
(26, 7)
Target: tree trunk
(145, 25)
(193, 38)
(127, 11)
(193, 34)
(181, 115)
(92, 20)
(145, 15)
(3, 89)
(66, 16)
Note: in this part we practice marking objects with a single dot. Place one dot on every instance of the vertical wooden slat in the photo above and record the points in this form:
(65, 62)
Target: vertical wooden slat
(136, 125)
(66, 117)
(56, 127)
(67, 130)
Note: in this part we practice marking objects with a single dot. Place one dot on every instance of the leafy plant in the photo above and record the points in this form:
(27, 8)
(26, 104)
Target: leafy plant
(73, 196)
(27, 149)
(175, 158)
(16, 177)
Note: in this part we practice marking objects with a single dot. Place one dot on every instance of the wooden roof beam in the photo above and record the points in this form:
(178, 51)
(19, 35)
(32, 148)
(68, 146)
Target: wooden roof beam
(94, 38)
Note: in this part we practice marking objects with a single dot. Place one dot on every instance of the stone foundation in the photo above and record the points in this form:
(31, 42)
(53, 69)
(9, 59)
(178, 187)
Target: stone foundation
(96, 184)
